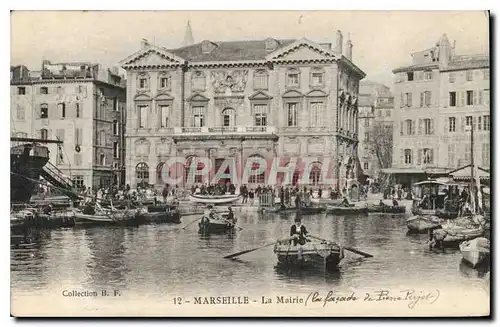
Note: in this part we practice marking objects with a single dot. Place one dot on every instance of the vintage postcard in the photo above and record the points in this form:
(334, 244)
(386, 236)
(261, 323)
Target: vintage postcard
(250, 163)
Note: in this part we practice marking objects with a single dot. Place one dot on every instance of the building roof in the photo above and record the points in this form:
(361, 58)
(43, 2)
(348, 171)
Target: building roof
(468, 62)
(229, 51)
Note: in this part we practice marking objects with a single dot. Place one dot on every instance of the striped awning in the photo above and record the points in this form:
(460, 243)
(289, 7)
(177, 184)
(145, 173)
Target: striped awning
(464, 173)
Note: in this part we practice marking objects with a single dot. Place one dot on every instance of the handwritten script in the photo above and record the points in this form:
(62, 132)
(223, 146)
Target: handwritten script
(411, 296)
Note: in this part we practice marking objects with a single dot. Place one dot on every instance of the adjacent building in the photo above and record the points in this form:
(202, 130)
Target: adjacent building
(242, 99)
(436, 98)
(376, 104)
(81, 104)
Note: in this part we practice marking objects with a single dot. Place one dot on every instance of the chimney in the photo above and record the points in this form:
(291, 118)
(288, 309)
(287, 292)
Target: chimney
(348, 49)
(144, 43)
(339, 41)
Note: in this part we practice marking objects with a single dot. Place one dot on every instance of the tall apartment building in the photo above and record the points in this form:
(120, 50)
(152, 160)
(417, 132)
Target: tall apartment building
(437, 96)
(376, 104)
(242, 99)
(81, 104)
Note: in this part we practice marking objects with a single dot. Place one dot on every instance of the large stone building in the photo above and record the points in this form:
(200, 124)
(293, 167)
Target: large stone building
(241, 99)
(376, 104)
(81, 104)
(436, 97)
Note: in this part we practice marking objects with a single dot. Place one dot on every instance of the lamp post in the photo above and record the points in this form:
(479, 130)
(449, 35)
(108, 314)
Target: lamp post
(470, 128)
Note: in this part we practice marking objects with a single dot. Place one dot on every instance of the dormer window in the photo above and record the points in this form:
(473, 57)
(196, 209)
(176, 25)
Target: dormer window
(207, 46)
(271, 44)
(143, 81)
(164, 81)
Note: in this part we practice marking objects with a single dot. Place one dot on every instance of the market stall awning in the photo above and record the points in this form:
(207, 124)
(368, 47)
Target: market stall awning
(403, 171)
(464, 173)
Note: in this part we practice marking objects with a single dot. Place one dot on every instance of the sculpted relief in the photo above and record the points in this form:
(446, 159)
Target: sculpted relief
(234, 81)
(142, 148)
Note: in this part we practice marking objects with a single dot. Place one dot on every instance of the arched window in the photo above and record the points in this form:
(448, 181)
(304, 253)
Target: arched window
(228, 117)
(102, 159)
(159, 173)
(254, 176)
(315, 174)
(198, 179)
(142, 173)
(44, 110)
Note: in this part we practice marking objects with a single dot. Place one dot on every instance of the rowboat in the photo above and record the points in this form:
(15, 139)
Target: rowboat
(386, 209)
(326, 255)
(217, 225)
(461, 229)
(342, 210)
(302, 210)
(152, 214)
(104, 218)
(422, 224)
(213, 199)
(475, 251)
(322, 201)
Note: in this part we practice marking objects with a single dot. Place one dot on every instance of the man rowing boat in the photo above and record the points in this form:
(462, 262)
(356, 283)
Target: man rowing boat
(299, 233)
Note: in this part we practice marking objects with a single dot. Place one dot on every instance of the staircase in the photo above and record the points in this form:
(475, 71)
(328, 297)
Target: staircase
(55, 176)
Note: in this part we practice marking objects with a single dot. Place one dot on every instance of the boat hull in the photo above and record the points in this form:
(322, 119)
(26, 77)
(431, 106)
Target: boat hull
(475, 257)
(451, 237)
(423, 224)
(215, 226)
(387, 209)
(323, 256)
(217, 199)
(159, 217)
(84, 220)
(302, 210)
(338, 210)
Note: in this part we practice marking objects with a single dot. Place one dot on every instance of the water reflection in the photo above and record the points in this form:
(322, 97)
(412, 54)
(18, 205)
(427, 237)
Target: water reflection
(309, 276)
(478, 272)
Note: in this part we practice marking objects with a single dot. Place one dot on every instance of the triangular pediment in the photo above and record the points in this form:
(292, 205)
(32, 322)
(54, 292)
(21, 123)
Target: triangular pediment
(260, 95)
(151, 56)
(292, 94)
(316, 93)
(164, 97)
(198, 97)
(142, 97)
(303, 49)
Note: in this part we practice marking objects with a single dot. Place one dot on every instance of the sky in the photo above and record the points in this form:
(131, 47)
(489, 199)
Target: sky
(383, 40)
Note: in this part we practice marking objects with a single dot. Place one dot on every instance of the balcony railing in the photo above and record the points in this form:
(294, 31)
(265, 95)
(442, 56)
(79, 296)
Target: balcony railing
(224, 130)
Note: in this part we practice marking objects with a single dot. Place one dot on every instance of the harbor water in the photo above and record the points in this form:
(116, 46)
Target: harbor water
(157, 263)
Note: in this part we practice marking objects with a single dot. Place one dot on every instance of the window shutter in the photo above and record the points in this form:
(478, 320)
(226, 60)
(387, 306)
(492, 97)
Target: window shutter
(432, 126)
(422, 95)
(401, 104)
(480, 97)
(479, 123)
(419, 157)
(462, 128)
(410, 102)
(446, 125)
(432, 155)
(429, 98)
(475, 97)
(420, 126)
(401, 130)
(402, 157)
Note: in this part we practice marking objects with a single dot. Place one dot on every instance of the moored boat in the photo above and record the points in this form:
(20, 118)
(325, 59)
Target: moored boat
(342, 210)
(325, 255)
(476, 251)
(386, 209)
(153, 214)
(461, 229)
(301, 210)
(214, 199)
(105, 218)
(422, 224)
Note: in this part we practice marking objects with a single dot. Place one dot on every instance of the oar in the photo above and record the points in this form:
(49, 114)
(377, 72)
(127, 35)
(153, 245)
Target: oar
(192, 222)
(255, 249)
(366, 255)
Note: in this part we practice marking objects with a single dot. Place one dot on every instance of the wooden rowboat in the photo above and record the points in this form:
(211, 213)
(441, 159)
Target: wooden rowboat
(116, 218)
(422, 224)
(214, 199)
(171, 216)
(476, 251)
(341, 210)
(386, 209)
(213, 226)
(326, 255)
(453, 233)
(302, 210)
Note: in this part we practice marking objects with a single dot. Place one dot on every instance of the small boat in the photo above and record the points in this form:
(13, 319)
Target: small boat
(461, 229)
(302, 210)
(475, 251)
(386, 209)
(322, 201)
(219, 224)
(152, 214)
(106, 218)
(214, 199)
(342, 210)
(326, 255)
(422, 224)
